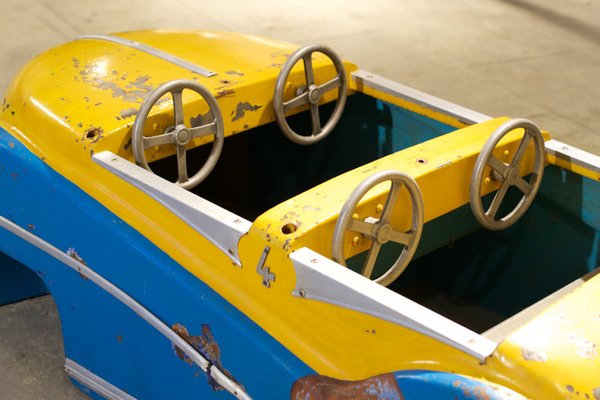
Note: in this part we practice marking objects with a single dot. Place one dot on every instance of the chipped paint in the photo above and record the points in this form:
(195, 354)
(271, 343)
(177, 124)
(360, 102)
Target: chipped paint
(533, 355)
(241, 109)
(596, 393)
(238, 73)
(71, 252)
(584, 347)
(207, 346)
(225, 93)
(134, 92)
(128, 113)
(313, 387)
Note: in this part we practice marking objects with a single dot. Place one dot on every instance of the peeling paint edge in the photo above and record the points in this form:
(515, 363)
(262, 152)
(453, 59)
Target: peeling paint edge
(128, 301)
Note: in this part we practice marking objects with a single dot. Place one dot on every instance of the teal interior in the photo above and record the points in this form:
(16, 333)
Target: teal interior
(473, 276)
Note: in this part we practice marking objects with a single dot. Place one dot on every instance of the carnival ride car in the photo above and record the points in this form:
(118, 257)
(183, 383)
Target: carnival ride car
(389, 244)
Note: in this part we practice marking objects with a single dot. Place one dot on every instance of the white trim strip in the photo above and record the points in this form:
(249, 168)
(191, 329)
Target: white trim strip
(223, 228)
(152, 51)
(94, 382)
(319, 278)
(123, 297)
(573, 155)
(462, 114)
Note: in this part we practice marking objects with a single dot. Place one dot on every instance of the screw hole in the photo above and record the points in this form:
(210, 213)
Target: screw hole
(289, 228)
(421, 161)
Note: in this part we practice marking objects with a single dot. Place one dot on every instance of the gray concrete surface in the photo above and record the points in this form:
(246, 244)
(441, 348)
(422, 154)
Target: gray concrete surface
(538, 59)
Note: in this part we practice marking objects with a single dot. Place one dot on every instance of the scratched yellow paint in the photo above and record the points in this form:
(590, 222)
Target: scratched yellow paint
(79, 98)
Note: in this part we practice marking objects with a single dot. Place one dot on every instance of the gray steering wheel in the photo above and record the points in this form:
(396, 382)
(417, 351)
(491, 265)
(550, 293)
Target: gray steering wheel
(507, 174)
(311, 94)
(380, 230)
(180, 135)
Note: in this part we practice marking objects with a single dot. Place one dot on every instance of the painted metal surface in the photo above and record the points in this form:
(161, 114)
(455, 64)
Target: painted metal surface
(92, 319)
(152, 51)
(86, 105)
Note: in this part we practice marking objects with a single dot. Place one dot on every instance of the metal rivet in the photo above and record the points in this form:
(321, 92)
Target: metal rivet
(487, 180)
(237, 221)
(155, 126)
(472, 341)
(379, 208)
(314, 261)
(506, 153)
(355, 216)
(302, 293)
(355, 241)
(231, 251)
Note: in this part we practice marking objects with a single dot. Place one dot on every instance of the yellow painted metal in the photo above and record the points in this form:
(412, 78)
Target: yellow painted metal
(80, 97)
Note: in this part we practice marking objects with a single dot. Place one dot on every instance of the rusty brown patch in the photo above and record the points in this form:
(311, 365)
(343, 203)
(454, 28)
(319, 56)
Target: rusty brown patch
(119, 338)
(11, 145)
(313, 387)
(94, 134)
(71, 252)
(207, 346)
(31, 227)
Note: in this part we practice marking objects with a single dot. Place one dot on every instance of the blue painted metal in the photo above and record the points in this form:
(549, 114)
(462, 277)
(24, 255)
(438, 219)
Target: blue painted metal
(103, 335)
(419, 384)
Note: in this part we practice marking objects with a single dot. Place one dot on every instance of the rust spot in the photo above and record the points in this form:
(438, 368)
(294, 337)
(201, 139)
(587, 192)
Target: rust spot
(71, 252)
(241, 109)
(31, 227)
(120, 339)
(94, 134)
(246, 126)
(313, 387)
(75, 62)
(14, 175)
(11, 145)
(206, 345)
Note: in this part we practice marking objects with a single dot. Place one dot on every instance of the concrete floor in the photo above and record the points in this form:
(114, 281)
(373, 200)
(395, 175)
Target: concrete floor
(538, 59)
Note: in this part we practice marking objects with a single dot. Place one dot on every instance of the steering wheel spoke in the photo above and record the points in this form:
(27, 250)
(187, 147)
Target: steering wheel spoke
(182, 164)
(367, 269)
(315, 119)
(296, 102)
(158, 140)
(311, 95)
(521, 149)
(497, 165)
(363, 227)
(508, 175)
(179, 134)
(308, 69)
(498, 198)
(523, 186)
(330, 84)
(380, 231)
(204, 130)
(178, 106)
(404, 238)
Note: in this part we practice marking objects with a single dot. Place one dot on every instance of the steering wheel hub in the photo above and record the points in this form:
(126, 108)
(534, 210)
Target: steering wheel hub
(384, 233)
(513, 174)
(183, 136)
(314, 94)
